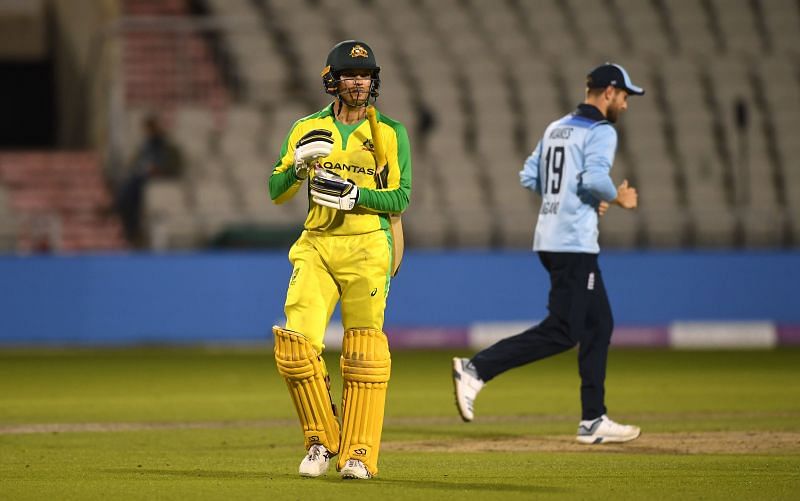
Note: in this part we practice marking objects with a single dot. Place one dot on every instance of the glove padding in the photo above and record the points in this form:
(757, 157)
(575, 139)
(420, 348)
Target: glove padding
(315, 144)
(333, 191)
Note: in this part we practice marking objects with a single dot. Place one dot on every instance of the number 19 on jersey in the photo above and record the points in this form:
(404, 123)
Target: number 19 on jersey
(553, 175)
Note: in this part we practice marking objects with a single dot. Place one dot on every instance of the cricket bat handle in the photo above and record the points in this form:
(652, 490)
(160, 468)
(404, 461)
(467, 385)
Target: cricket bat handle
(380, 159)
(377, 143)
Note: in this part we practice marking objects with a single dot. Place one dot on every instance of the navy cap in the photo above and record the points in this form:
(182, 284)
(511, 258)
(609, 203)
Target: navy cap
(614, 75)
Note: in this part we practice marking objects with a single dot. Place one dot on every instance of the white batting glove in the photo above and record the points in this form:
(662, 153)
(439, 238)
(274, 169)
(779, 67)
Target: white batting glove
(315, 144)
(332, 191)
(344, 202)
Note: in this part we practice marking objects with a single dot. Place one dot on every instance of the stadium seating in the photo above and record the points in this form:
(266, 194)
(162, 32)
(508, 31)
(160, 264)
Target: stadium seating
(8, 231)
(59, 201)
(492, 74)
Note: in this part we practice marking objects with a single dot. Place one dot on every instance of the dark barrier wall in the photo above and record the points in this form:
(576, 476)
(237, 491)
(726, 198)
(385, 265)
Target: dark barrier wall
(218, 297)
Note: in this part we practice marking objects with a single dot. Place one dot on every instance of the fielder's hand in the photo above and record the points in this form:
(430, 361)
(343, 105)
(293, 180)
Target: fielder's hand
(627, 198)
(315, 144)
(602, 208)
(332, 191)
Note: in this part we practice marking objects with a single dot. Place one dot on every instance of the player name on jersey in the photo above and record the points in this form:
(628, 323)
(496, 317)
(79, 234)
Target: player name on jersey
(549, 208)
(560, 133)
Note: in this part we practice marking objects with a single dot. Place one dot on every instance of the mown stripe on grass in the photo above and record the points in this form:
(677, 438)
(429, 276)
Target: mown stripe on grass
(28, 428)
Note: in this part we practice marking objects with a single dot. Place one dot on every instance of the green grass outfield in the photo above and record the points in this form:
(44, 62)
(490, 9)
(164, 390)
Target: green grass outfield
(190, 423)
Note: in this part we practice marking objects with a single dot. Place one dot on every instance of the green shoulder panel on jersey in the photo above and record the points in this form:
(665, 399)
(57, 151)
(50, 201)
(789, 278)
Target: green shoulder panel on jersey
(393, 201)
(282, 180)
(403, 148)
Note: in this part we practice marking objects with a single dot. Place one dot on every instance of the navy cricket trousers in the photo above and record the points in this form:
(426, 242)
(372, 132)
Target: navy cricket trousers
(579, 314)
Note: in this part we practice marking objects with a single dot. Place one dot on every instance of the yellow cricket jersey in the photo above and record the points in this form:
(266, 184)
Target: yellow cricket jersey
(351, 158)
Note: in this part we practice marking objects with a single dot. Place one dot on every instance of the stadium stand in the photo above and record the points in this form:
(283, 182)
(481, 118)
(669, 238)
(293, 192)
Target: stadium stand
(705, 180)
(8, 232)
(711, 146)
(60, 202)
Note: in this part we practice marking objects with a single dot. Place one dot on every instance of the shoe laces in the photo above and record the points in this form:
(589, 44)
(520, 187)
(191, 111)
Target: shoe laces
(470, 401)
(315, 452)
(354, 463)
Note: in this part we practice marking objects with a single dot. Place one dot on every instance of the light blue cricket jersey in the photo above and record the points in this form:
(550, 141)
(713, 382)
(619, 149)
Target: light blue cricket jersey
(570, 170)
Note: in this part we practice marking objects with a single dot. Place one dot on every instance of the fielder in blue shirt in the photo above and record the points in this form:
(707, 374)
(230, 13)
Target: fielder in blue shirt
(570, 170)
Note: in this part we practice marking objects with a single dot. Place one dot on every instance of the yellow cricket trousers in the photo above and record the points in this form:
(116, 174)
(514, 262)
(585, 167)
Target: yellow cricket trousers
(327, 268)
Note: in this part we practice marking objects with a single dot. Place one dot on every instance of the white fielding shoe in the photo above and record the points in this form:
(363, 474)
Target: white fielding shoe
(316, 461)
(467, 384)
(355, 469)
(603, 431)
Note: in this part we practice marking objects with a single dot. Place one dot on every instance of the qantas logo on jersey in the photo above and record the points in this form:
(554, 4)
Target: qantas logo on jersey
(349, 168)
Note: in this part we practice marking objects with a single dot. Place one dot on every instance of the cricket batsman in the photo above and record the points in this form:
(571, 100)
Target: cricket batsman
(359, 181)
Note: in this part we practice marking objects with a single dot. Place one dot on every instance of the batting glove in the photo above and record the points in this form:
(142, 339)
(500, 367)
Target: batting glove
(313, 145)
(332, 191)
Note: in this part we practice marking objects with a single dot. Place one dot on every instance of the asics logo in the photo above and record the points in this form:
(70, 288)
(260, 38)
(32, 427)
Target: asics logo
(294, 276)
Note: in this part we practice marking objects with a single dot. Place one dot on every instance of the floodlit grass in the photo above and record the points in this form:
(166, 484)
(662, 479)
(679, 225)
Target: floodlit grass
(193, 423)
